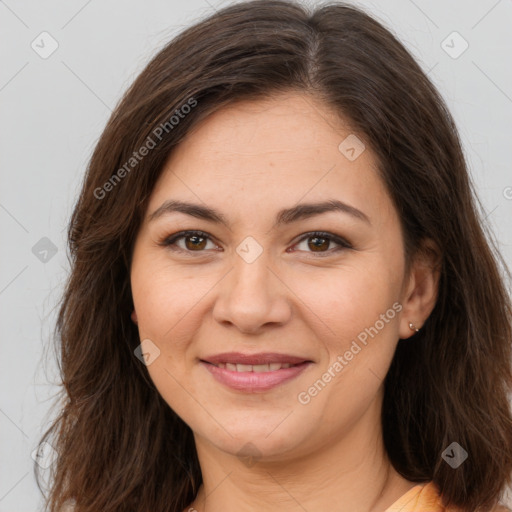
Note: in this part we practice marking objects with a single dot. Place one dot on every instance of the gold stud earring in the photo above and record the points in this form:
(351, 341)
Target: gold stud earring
(411, 326)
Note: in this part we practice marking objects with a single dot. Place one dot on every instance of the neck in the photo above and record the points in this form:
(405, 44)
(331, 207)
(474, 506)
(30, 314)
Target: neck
(348, 472)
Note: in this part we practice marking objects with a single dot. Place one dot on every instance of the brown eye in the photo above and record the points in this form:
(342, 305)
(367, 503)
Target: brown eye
(319, 243)
(194, 241)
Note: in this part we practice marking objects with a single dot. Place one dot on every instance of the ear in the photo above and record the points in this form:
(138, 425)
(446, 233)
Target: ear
(420, 288)
(134, 317)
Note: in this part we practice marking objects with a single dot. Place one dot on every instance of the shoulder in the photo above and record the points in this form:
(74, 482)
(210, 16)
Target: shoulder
(433, 489)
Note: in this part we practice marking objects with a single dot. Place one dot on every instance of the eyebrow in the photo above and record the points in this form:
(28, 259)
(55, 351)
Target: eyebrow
(285, 216)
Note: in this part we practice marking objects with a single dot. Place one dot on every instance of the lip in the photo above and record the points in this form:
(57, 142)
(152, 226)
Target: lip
(253, 382)
(261, 358)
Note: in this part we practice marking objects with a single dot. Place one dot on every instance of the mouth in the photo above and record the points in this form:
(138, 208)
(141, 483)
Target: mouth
(257, 368)
(254, 372)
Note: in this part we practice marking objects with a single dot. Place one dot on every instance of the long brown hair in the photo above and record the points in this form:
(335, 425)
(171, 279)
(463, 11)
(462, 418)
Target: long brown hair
(120, 446)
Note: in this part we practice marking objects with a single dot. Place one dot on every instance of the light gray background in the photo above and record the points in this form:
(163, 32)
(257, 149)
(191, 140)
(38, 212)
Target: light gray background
(54, 109)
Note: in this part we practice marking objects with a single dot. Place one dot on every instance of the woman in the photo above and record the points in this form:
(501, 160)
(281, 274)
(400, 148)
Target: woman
(281, 295)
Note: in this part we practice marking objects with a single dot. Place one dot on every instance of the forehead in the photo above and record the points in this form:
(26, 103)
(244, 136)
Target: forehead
(283, 127)
(274, 153)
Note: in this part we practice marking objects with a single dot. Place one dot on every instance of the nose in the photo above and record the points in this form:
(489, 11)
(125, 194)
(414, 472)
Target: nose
(252, 296)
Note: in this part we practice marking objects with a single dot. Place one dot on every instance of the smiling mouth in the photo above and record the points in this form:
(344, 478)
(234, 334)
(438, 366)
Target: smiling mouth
(255, 378)
(256, 368)
(252, 373)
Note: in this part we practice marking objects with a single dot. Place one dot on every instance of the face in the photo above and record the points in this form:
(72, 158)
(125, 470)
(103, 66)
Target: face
(320, 288)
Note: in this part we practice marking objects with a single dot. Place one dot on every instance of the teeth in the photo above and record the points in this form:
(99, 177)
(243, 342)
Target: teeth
(260, 368)
(257, 368)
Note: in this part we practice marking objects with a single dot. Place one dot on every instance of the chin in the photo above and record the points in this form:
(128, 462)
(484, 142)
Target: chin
(263, 439)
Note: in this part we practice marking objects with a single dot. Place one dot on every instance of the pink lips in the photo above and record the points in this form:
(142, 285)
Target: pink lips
(254, 381)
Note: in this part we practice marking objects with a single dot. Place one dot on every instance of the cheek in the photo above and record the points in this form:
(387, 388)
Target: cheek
(168, 304)
(349, 298)
(359, 310)
(359, 344)
(165, 298)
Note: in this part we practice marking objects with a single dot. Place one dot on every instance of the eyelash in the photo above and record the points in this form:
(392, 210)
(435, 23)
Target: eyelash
(344, 244)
